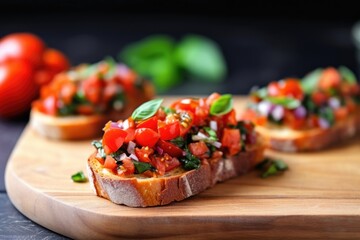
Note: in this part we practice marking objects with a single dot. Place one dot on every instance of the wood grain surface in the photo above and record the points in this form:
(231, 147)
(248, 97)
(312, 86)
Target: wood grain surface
(317, 198)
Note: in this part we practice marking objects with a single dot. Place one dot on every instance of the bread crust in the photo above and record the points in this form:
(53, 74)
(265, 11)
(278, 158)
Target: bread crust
(289, 140)
(175, 185)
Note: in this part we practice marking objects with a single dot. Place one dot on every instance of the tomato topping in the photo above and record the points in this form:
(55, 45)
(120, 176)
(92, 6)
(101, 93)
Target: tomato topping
(159, 164)
(151, 123)
(230, 118)
(92, 88)
(110, 163)
(144, 154)
(130, 135)
(210, 99)
(113, 139)
(292, 121)
(231, 140)
(330, 78)
(170, 148)
(199, 149)
(251, 115)
(186, 121)
(187, 104)
(341, 113)
(49, 105)
(169, 131)
(171, 163)
(127, 167)
(146, 137)
(319, 98)
(286, 88)
(67, 92)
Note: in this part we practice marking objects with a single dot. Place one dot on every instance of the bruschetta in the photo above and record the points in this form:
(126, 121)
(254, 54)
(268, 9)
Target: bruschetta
(164, 154)
(77, 103)
(310, 114)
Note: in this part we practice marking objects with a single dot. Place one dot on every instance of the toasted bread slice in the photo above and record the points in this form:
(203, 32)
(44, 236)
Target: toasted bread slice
(175, 185)
(289, 140)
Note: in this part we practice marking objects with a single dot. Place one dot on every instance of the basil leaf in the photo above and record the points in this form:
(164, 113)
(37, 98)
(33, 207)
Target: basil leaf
(272, 170)
(347, 75)
(190, 162)
(202, 58)
(147, 109)
(271, 167)
(142, 166)
(289, 103)
(280, 165)
(79, 177)
(179, 141)
(310, 81)
(222, 105)
(261, 93)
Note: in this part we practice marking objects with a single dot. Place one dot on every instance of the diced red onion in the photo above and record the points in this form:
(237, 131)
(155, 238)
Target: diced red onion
(213, 125)
(114, 125)
(278, 113)
(265, 107)
(123, 156)
(131, 147)
(122, 70)
(216, 144)
(300, 112)
(323, 123)
(159, 150)
(133, 156)
(334, 102)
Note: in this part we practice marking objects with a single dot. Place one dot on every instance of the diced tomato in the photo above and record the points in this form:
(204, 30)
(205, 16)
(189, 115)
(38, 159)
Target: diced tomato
(186, 121)
(187, 104)
(169, 131)
(199, 149)
(92, 88)
(341, 113)
(110, 163)
(210, 99)
(130, 135)
(67, 92)
(351, 105)
(251, 115)
(171, 163)
(287, 88)
(230, 118)
(170, 148)
(50, 105)
(144, 154)
(159, 164)
(330, 78)
(127, 167)
(319, 98)
(161, 114)
(151, 123)
(146, 137)
(113, 139)
(313, 121)
(292, 121)
(231, 140)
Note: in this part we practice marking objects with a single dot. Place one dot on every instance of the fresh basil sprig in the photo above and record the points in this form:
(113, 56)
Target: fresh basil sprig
(289, 103)
(347, 75)
(310, 81)
(142, 166)
(270, 167)
(147, 109)
(222, 105)
(79, 177)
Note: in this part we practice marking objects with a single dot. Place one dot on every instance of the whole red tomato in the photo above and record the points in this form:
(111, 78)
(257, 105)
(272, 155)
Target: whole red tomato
(24, 46)
(26, 64)
(17, 88)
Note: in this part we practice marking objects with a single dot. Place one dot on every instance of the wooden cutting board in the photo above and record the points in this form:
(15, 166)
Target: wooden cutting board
(319, 197)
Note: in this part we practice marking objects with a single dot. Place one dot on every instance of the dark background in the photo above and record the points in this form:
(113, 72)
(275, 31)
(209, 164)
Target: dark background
(262, 41)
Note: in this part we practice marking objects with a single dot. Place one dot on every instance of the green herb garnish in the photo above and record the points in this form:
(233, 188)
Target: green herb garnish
(79, 177)
(270, 167)
(222, 105)
(142, 166)
(179, 141)
(190, 162)
(289, 103)
(347, 75)
(212, 134)
(310, 81)
(147, 109)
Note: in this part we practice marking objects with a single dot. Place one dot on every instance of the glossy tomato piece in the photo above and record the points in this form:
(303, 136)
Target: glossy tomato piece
(286, 88)
(170, 148)
(146, 137)
(128, 166)
(130, 134)
(319, 98)
(169, 131)
(93, 88)
(187, 104)
(113, 139)
(151, 123)
(110, 163)
(171, 163)
(49, 105)
(231, 140)
(17, 88)
(186, 121)
(330, 78)
(199, 149)
(292, 121)
(144, 153)
(24, 46)
(55, 60)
